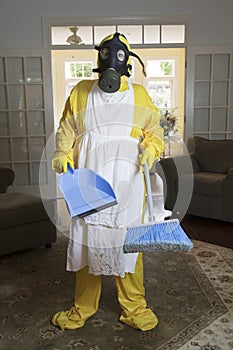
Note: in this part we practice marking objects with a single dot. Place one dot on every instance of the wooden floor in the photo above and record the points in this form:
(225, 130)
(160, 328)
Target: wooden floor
(208, 230)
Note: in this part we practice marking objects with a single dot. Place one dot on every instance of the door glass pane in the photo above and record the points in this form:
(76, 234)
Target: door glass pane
(36, 146)
(22, 174)
(17, 96)
(201, 94)
(3, 103)
(5, 154)
(202, 67)
(201, 119)
(220, 92)
(20, 148)
(18, 123)
(35, 96)
(218, 120)
(35, 173)
(231, 58)
(217, 136)
(152, 34)
(2, 71)
(36, 123)
(230, 122)
(231, 97)
(221, 67)
(15, 69)
(33, 70)
(4, 124)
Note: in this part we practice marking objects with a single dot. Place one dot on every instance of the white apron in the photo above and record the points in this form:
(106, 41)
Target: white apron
(107, 148)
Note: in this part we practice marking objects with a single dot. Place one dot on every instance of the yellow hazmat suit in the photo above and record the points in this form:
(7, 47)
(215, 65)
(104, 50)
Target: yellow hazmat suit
(92, 130)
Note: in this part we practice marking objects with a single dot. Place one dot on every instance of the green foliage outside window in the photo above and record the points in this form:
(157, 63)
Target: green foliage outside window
(80, 70)
(166, 67)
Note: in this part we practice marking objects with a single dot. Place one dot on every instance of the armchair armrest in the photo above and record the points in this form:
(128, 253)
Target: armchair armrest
(7, 177)
(228, 196)
(171, 170)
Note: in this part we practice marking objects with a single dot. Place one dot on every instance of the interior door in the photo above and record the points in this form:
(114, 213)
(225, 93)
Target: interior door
(209, 94)
(26, 119)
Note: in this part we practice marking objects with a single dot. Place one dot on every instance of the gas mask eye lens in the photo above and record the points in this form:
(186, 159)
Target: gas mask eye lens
(104, 53)
(121, 55)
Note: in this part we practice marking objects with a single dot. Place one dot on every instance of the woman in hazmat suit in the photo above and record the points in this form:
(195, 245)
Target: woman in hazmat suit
(102, 123)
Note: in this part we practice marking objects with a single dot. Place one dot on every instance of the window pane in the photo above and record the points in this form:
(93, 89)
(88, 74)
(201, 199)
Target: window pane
(74, 70)
(152, 34)
(61, 34)
(173, 34)
(100, 32)
(133, 33)
(161, 93)
(160, 68)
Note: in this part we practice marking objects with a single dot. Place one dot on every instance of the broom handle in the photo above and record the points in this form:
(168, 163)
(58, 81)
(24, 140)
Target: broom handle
(149, 193)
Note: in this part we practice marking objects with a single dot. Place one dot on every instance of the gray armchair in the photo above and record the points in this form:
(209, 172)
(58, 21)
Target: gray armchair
(24, 223)
(212, 192)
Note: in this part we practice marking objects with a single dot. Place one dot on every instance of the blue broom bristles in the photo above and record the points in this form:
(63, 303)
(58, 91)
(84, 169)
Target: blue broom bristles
(157, 237)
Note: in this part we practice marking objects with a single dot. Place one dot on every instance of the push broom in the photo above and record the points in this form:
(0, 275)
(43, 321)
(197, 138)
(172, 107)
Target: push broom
(155, 236)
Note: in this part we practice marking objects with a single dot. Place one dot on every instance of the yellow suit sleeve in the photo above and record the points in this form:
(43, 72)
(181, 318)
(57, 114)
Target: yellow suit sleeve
(71, 124)
(148, 121)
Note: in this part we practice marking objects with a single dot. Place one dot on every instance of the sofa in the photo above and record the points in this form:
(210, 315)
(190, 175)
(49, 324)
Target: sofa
(211, 179)
(24, 223)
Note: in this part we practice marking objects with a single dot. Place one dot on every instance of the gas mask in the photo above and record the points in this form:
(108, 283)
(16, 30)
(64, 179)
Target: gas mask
(113, 62)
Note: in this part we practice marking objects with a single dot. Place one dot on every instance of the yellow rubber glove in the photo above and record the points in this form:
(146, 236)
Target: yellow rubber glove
(148, 157)
(60, 162)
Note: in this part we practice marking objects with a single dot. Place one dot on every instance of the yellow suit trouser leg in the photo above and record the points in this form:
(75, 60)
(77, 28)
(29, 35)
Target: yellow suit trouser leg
(86, 301)
(131, 296)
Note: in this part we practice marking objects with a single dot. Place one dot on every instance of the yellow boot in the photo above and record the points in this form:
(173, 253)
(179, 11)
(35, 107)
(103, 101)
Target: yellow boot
(86, 301)
(131, 296)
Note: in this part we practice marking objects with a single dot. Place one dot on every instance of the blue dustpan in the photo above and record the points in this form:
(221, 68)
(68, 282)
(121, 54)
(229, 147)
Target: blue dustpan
(85, 192)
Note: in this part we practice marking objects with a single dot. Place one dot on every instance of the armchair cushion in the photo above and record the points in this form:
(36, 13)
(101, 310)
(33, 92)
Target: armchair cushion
(214, 156)
(20, 208)
(208, 184)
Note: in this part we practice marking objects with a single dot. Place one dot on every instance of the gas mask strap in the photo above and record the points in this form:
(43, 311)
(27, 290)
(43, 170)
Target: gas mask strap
(139, 59)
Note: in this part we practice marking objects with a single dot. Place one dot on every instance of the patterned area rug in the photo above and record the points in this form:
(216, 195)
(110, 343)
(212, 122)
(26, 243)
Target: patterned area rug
(191, 293)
